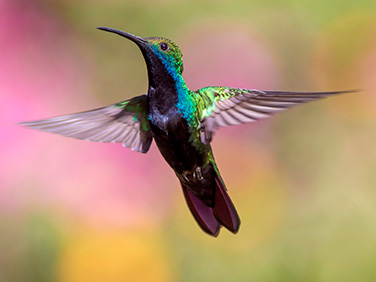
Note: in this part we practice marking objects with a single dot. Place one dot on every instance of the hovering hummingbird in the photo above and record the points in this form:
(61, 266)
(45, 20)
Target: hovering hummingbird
(182, 123)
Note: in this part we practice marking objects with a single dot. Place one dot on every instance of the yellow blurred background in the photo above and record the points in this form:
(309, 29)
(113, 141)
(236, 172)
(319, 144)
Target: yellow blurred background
(304, 182)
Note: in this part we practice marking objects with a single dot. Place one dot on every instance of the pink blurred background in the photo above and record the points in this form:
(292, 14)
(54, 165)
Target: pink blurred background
(303, 182)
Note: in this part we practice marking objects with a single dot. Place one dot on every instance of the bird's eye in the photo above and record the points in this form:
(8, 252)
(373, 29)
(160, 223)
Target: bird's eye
(164, 46)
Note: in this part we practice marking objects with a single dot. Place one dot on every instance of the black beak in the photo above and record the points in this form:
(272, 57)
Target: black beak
(136, 39)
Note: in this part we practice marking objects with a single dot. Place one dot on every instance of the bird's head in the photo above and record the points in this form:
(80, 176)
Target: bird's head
(157, 51)
(167, 51)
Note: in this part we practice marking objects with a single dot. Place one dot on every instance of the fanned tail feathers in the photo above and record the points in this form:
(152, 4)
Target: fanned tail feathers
(221, 213)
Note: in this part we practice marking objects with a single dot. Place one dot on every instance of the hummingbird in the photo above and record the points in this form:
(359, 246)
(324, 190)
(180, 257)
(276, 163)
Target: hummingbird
(182, 123)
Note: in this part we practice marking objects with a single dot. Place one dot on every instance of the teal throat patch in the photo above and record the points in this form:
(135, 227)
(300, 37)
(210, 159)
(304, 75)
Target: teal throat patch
(186, 103)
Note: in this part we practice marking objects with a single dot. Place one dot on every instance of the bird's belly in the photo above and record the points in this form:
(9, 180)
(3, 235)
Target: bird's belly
(179, 147)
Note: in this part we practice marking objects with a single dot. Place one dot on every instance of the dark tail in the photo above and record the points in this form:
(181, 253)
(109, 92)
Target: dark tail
(211, 216)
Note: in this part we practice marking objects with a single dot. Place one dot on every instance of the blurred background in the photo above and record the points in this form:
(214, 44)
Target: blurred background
(304, 182)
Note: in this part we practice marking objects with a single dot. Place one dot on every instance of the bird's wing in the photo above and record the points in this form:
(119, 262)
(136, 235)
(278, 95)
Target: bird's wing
(222, 106)
(125, 122)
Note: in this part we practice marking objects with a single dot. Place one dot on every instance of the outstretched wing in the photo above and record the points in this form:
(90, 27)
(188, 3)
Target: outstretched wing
(222, 106)
(125, 122)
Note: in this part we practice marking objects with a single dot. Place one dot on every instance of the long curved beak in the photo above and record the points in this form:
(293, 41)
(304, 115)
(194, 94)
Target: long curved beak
(136, 39)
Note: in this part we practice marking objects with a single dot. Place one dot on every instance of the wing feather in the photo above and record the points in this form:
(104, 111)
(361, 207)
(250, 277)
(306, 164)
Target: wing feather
(125, 122)
(225, 106)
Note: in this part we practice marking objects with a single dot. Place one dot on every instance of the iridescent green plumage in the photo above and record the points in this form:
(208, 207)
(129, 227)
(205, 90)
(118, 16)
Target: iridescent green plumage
(182, 123)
